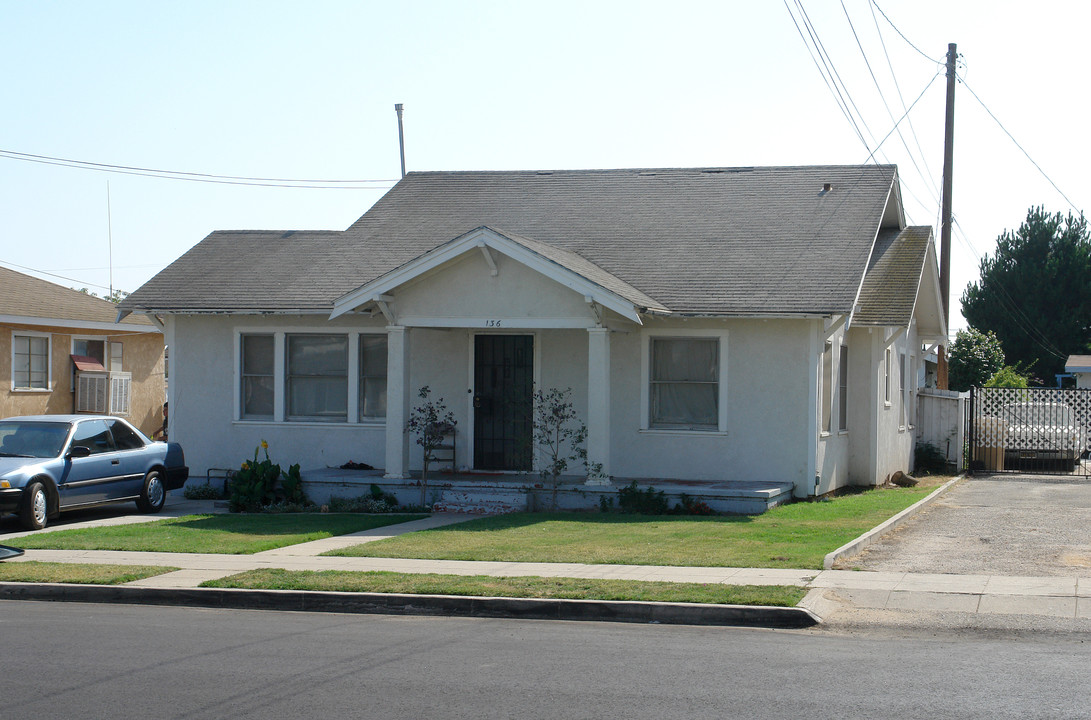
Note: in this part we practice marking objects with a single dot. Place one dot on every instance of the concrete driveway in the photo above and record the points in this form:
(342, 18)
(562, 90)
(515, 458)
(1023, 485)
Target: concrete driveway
(1029, 525)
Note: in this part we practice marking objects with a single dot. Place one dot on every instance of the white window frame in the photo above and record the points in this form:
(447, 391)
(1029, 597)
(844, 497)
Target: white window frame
(326, 419)
(356, 368)
(902, 385)
(93, 338)
(48, 361)
(110, 348)
(825, 389)
(886, 377)
(646, 379)
(843, 389)
(280, 399)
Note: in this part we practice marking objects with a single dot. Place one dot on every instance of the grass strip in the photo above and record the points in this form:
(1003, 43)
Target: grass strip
(223, 534)
(32, 571)
(797, 535)
(514, 587)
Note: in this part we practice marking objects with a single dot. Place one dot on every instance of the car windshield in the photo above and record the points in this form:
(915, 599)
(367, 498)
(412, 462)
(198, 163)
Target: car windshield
(1039, 414)
(32, 439)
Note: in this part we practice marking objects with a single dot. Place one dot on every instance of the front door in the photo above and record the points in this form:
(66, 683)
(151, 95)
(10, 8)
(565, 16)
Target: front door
(503, 386)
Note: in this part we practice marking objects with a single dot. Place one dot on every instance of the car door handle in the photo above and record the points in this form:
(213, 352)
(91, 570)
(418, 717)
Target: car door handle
(115, 462)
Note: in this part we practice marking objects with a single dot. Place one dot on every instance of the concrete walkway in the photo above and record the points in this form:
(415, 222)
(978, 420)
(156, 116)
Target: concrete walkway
(831, 590)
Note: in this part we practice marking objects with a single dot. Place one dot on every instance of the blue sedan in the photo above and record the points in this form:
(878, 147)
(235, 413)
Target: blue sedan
(50, 463)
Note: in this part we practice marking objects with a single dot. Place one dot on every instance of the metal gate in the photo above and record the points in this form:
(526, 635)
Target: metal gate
(1030, 430)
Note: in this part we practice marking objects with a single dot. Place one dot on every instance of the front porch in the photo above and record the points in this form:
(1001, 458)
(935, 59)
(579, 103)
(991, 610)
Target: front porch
(499, 493)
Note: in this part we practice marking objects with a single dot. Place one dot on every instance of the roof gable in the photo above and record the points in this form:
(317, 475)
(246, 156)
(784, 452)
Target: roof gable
(563, 267)
(902, 280)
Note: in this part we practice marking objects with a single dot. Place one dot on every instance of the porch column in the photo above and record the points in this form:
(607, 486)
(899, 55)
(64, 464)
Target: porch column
(397, 402)
(598, 403)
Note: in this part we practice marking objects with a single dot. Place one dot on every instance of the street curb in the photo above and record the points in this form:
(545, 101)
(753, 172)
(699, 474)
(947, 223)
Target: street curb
(396, 604)
(854, 546)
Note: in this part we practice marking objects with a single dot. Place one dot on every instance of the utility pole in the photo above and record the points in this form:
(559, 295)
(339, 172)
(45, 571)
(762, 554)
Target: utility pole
(945, 209)
(401, 135)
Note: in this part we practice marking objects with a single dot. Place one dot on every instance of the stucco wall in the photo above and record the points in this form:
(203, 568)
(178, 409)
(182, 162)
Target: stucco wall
(142, 355)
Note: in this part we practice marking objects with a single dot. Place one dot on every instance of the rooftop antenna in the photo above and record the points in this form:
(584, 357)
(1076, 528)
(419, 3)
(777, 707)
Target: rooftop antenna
(401, 135)
(110, 240)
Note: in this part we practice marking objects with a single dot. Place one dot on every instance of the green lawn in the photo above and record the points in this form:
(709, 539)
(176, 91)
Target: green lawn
(227, 534)
(520, 587)
(50, 572)
(791, 536)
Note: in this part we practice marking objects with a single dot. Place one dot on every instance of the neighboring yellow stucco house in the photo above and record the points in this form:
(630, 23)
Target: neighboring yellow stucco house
(61, 352)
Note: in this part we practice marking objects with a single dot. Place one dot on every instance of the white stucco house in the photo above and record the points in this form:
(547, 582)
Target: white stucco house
(715, 325)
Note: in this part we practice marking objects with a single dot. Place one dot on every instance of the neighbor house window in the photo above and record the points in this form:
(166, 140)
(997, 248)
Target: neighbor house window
(257, 376)
(116, 353)
(30, 362)
(317, 377)
(94, 349)
(827, 386)
(372, 377)
(843, 389)
(684, 383)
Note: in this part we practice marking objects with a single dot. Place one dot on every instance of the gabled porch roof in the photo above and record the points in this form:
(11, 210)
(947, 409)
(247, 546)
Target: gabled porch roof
(562, 266)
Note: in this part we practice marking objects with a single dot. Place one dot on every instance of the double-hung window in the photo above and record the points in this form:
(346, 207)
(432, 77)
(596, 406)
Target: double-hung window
(257, 377)
(684, 383)
(317, 377)
(372, 377)
(30, 362)
(843, 390)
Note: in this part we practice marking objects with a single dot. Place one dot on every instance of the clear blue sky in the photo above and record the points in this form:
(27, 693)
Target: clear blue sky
(306, 90)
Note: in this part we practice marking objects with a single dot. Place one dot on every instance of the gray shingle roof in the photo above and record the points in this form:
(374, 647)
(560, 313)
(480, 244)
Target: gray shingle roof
(889, 292)
(702, 241)
(29, 297)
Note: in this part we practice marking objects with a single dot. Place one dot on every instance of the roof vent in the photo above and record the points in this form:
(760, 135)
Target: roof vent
(827, 187)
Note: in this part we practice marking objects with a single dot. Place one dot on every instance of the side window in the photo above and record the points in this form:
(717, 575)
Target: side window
(684, 382)
(30, 362)
(93, 435)
(257, 376)
(124, 437)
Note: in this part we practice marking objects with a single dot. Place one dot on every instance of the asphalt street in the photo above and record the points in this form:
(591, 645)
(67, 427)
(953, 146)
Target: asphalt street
(65, 660)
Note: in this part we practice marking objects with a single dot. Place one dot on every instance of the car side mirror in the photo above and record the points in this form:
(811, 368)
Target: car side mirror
(78, 451)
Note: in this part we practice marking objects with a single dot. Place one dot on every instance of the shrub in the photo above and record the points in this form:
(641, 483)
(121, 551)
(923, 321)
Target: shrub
(930, 459)
(202, 492)
(689, 506)
(259, 484)
(631, 499)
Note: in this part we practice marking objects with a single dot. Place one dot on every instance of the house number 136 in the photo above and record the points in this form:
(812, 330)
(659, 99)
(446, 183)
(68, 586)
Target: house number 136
(492, 323)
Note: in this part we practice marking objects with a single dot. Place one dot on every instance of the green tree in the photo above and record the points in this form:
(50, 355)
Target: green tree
(973, 358)
(1007, 377)
(1035, 292)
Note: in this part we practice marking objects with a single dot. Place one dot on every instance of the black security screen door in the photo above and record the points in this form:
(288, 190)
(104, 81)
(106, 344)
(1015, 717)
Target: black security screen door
(503, 384)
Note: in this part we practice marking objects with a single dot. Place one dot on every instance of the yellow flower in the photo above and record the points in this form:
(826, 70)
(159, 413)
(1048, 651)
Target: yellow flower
(264, 445)
(246, 466)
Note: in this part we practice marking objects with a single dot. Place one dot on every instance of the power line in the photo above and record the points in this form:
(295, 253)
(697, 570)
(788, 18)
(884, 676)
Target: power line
(198, 177)
(1012, 138)
(901, 98)
(923, 54)
(882, 96)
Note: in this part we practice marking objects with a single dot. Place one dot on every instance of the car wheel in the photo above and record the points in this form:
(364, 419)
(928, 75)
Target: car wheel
(34, 511)
(154, 495)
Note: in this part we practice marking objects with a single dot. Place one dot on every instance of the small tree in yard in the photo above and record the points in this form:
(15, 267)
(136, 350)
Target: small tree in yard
(429, 422)
(973, 358)
(559, 435)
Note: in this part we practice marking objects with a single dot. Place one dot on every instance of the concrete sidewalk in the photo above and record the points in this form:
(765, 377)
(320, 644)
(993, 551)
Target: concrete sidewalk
(1058, 597)
(832, 591)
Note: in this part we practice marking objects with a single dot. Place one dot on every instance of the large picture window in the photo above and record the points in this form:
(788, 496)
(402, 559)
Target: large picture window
(317, 376)
(684, 383)
(30, 362)
(372, 377)
(257, 377)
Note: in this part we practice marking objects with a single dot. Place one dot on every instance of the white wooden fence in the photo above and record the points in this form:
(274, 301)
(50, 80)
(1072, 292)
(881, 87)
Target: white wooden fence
(941, 421)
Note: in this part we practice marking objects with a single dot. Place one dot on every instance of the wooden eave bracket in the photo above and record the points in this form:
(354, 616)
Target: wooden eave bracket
(892, 337)
(595, 308)
(831, 326)
(383, 301)
(488, 258)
